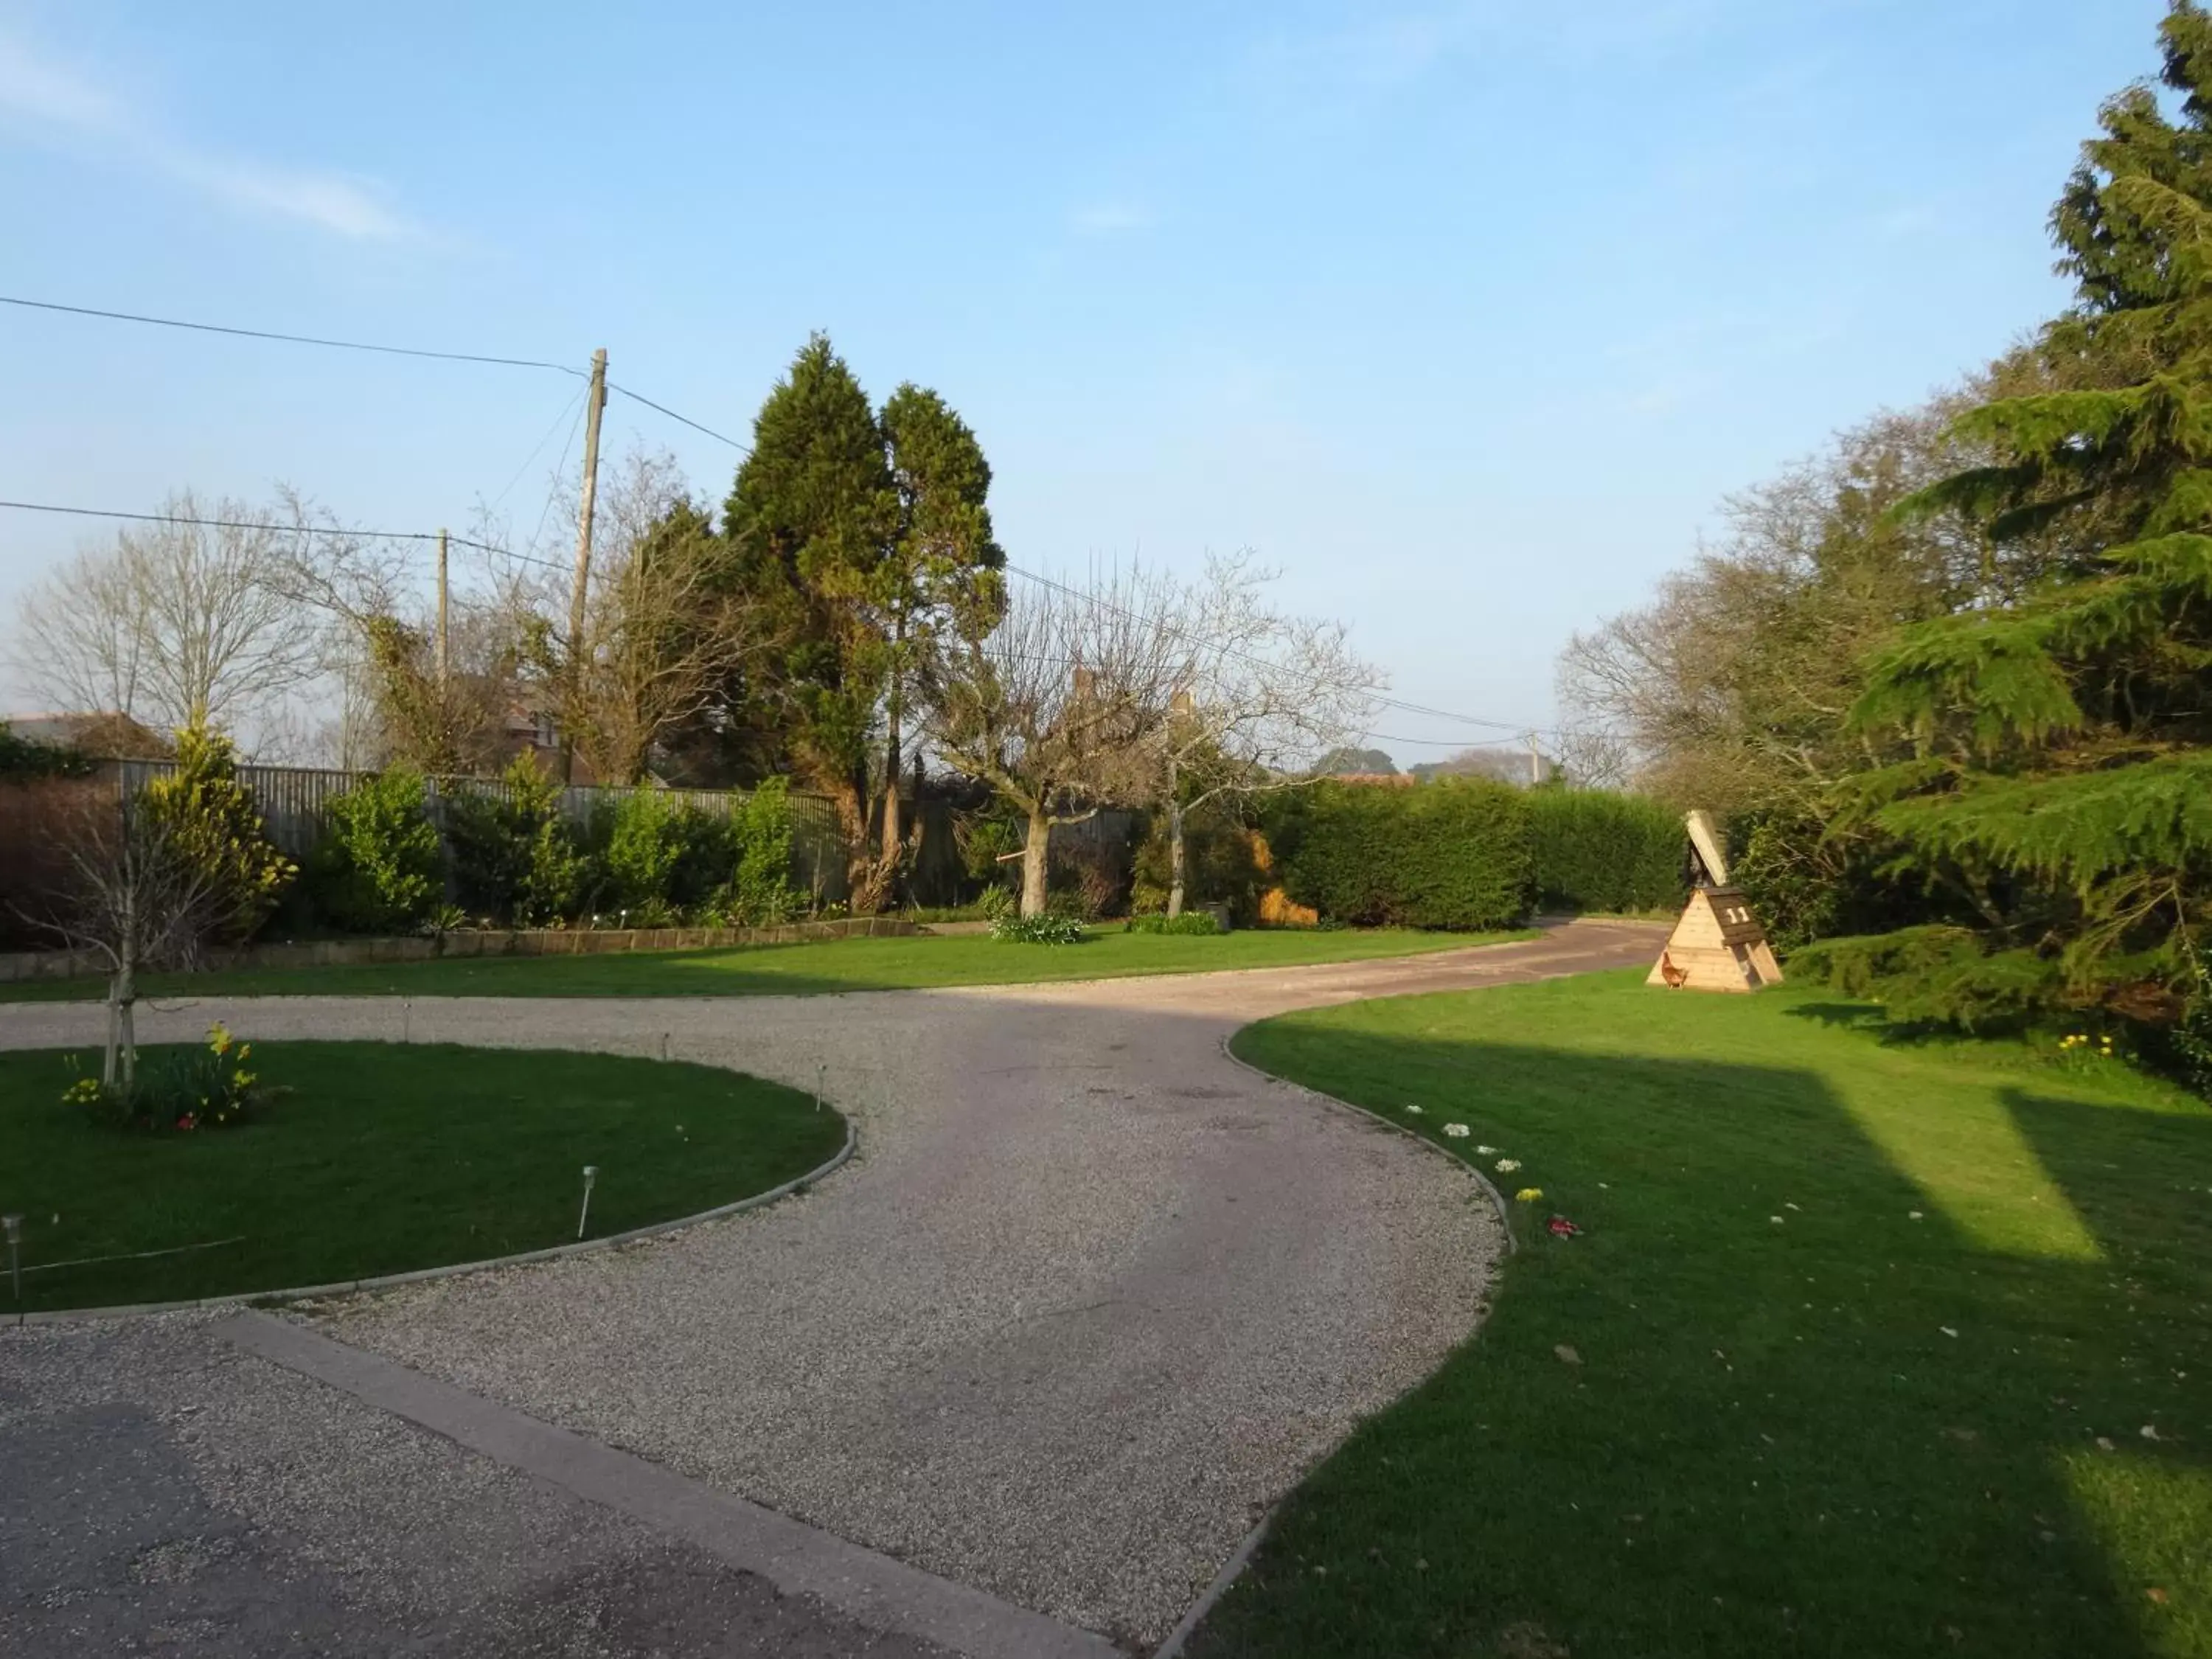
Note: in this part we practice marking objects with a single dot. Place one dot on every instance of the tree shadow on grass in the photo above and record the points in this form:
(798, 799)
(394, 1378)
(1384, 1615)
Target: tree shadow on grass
(1776, 1399)
(1877, 1021)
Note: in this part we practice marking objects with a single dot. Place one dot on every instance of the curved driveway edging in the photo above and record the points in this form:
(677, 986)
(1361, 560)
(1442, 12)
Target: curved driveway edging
(1497, 1198)
(1179, 1638)
(423, 1275)
(1096, 1300)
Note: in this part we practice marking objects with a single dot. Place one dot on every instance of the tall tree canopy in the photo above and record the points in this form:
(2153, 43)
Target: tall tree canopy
(811, 516)
(2049, 752)
(866, 540)
(942, 583)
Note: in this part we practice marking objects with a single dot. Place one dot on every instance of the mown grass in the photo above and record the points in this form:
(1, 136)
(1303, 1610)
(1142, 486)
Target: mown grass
(380, 1158)
(811, 969)
(1869, 1346)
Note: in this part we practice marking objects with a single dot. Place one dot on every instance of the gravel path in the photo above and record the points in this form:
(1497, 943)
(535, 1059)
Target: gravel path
(1090, 1298)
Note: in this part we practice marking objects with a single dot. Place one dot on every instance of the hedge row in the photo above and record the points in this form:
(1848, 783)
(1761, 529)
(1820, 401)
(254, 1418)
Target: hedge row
(1468, 854)
(511, 858)
(1453, 853)
(1603, 852)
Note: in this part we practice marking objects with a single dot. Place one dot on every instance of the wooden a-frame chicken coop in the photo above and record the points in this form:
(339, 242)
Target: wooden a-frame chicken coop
(1718, 944)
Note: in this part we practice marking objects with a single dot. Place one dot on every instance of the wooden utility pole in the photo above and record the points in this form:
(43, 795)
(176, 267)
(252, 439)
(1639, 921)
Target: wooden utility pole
(594, 401)
(444, 659)
(1536, 761)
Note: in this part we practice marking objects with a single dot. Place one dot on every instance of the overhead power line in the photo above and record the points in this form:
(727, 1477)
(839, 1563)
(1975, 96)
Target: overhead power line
(639, 398)
(280, 528)
(291, 339)
(362, 345)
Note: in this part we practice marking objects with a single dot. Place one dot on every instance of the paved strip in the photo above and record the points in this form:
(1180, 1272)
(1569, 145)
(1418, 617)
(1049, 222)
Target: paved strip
(797, 1560)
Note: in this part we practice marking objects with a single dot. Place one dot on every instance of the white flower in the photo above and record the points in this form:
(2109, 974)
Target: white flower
(1946, 1330)
(1484, 1151)
(1508, 1166)
(1456, 1131)
(1775, 1219)
(1912, 1215)
(1415, 1110)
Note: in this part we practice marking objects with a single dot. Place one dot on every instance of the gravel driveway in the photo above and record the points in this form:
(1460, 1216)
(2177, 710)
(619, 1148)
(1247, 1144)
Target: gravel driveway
(1088, 1300)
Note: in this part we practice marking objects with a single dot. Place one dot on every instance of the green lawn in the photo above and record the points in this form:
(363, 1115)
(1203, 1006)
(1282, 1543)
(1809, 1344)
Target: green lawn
(1870, 1347)
(857, 964)
(379, 1159)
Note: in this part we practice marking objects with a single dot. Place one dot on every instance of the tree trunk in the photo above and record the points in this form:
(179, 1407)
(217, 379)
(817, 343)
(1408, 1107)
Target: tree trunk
(130, 1043)
(125, 995)
(1033, 864)
(891, 711)
(107, 1062)
(1175, 857)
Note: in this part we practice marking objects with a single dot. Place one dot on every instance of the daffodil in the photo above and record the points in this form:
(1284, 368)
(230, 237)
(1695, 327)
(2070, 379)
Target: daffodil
(1508, 1166)
(1529, 1195)
(1456, 1131)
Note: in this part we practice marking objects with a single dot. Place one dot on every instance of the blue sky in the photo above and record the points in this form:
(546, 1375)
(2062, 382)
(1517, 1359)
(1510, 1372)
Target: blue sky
(1464, 317)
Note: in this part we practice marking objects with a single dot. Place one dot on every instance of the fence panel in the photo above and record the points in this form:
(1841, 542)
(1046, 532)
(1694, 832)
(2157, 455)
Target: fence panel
(293, 801)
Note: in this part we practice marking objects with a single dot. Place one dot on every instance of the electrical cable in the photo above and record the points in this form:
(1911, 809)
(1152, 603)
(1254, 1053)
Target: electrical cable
(291, 339)
(277, 528)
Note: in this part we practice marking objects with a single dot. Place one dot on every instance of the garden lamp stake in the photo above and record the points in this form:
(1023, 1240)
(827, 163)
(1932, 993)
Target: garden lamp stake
(591, 1173)
(821, 1082)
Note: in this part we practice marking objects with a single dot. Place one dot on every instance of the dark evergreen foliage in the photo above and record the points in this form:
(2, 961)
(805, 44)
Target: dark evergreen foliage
(1594, 850)
(2049, 756)
(1453, 854)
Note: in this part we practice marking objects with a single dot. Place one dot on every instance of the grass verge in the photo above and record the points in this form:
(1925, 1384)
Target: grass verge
(811, 969)
(1868, 1347)
(381, 1158)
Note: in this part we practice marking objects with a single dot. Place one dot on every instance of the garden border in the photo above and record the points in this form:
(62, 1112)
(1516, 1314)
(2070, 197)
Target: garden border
(419, 1275)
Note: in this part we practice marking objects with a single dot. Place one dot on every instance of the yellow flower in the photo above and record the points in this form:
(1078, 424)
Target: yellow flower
(218, 1038)
(1529, 1194)
(244, 1049)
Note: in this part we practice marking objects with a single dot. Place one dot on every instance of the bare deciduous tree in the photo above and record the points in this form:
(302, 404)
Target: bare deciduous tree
(176, 621)
(1261, 696)
(131, 897)
(1061, 708)
(666, 629)
(397, 702)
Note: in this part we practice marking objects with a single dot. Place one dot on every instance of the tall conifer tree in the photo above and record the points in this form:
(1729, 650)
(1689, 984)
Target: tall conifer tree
(2052, 751)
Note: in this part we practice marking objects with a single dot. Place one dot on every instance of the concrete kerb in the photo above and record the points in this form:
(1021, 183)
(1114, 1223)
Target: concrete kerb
(391, 1281)
(1231, 1570)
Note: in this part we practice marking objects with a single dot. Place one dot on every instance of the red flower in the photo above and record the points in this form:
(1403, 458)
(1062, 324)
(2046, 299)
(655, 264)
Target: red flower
(1563, 1228)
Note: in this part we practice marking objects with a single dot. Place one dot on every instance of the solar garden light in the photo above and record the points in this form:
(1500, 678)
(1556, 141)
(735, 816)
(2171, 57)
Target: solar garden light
(591, 1173)
(14, 1223)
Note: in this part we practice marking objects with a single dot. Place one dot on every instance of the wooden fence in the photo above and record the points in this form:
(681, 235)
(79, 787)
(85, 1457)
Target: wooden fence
(294, 801)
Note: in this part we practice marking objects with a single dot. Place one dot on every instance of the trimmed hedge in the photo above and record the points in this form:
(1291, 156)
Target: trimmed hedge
(378, 868)
(1453, 853)
(1594, 850)
(1199, 922)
